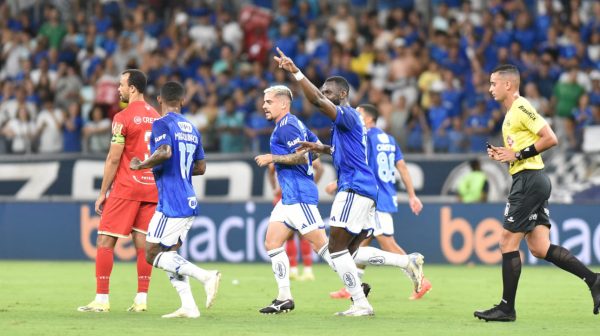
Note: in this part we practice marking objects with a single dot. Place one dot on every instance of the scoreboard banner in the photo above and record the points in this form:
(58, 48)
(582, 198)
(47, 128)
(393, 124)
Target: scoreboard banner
(227, 178)
(235, 231)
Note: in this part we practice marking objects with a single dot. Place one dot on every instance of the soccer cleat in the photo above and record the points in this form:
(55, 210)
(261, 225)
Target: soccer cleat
(415, 270)
(294, 275)
(425, 288)
(595, 289)
(184, 313)
(278, 307)
(95, 307)
(341, 294)
(306, 276)
(138, 307)
(211, 287)
(356, 310)
(496, 314)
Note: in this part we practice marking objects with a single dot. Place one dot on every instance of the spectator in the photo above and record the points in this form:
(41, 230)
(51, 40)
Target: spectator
(473, 186)
(72, 128)
(97, 132)
(230, 127)
(49, 125)
(20, 131)
(439, 119)
(53, 29)
(565, 98)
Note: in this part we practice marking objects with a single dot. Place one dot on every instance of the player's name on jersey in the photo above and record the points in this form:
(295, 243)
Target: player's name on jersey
(386, 147)
(186, 137)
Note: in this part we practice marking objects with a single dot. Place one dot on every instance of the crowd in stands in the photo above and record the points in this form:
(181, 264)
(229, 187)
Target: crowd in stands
(424, 64)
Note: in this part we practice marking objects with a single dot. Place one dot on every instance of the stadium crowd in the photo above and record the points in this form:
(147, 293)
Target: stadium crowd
(425, 65)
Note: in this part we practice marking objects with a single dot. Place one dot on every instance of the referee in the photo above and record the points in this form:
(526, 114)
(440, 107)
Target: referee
(526, 134)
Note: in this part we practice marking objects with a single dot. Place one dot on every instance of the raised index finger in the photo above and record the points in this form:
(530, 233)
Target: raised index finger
(280, 52)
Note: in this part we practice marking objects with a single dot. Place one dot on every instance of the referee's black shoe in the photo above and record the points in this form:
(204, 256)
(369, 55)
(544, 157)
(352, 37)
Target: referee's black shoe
(595, 289)
(496, 314)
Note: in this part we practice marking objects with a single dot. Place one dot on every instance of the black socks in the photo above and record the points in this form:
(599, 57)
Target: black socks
(562, 258)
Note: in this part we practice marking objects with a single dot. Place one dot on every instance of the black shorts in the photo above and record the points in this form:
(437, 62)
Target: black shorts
(527, 204)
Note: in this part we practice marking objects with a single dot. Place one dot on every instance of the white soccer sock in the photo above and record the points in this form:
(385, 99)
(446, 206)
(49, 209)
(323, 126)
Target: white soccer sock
(181, 283)
(140, 298)
(174, 263)
(101, 298)
(373, 256)
(347, 271)
(280, 263)
(324, 253)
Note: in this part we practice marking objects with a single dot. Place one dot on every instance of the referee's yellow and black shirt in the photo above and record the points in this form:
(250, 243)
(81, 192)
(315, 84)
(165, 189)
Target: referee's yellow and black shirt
(519, 130)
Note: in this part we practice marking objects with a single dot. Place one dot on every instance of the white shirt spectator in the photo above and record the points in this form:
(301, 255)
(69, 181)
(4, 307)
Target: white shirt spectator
(49, 124)
(21, 133)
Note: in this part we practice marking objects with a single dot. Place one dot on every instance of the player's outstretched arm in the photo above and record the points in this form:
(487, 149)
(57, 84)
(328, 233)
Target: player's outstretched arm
(199, 167)
(288, 159)
(413, 201)
(314, 147)
(311, 92)
(160, 155)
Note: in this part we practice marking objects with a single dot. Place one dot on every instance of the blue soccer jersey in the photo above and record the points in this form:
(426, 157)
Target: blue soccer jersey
(296, 181)
(384, 153)
(349, 151)
(176, 196)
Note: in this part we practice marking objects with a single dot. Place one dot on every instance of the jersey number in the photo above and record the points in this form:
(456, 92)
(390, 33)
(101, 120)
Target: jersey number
(385, 167)
(186, 153)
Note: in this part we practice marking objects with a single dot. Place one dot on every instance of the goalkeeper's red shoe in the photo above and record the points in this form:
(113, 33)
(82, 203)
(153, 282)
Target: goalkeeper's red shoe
(341, 294)
(425, 287)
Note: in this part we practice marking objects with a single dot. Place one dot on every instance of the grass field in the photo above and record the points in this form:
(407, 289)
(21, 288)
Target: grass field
(40, 298)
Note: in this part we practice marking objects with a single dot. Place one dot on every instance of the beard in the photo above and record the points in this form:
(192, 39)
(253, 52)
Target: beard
(123, 99)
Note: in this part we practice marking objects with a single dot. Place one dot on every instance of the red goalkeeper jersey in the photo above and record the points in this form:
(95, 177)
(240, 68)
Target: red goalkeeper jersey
(132, 127)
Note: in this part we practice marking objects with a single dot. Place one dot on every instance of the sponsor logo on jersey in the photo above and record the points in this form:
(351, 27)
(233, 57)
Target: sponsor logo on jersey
(291, 143)
(160, 137)
(192, 202)
(383, 138)
(185, 126)
(527, 112)
(137, 120)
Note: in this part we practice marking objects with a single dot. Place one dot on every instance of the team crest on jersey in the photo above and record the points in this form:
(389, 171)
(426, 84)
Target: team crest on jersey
(509, 141)
(137, 120)
(185, 126)
(192, 202)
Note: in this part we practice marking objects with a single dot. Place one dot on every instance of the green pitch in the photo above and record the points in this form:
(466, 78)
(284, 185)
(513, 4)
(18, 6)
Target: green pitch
(40, 298)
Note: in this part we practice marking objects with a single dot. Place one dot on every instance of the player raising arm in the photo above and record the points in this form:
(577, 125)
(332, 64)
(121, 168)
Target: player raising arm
(384, 157)
(177, 154)
(354, 203)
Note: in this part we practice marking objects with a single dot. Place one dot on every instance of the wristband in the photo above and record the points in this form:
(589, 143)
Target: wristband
(528, 152)
(298, 75)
